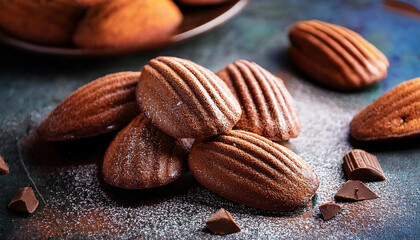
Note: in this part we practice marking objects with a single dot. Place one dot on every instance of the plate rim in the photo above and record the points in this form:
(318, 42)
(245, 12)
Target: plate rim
(173, 39)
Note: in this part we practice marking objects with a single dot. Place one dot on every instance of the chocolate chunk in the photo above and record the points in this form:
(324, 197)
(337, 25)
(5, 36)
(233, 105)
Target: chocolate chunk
(222, 223)
(354, 191)
(24, 201)
(363, 166)
(329, 210)
(4, 169)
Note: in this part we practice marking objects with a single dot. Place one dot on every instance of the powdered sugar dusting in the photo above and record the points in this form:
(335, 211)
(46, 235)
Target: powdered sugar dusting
(80, 204)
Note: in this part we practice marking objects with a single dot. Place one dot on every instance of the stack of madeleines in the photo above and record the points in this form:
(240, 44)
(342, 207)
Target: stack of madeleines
(176, 113)
(232, 118)
(93, 24)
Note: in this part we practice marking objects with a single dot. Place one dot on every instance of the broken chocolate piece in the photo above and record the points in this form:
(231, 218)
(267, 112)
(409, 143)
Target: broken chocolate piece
(354, 191)
(363, 166)
(4, 169)
(222, 223)
(24, 201)
(329, 210)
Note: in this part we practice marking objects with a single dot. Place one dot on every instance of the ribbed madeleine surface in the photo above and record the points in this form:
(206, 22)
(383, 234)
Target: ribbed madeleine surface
(247, 168)
(395, 114)
(336, 56)
(141, 156)
(267, 107)
(186, 100)
(101, 106)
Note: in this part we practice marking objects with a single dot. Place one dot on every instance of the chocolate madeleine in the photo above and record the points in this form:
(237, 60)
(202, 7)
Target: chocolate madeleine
(38, 21)
(267, 107)
(247, 168)
(127, 24)
(185, 100)
(395, 114)
(336, 56)
(141, 156)
(101, 106)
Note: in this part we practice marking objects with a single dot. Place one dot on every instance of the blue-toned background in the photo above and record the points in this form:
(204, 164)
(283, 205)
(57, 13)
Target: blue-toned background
(78, 204)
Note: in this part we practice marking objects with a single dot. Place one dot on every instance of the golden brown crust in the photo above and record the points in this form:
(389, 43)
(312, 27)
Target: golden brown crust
(247, 168)
(395, 114)
(127, 24)
(267, 107)
(141, 156)
(336, 56)
(42, 22)
(101, 106)
(186, 100)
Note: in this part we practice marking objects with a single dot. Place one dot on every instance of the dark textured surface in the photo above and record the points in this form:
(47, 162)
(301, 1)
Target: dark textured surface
(74, 201)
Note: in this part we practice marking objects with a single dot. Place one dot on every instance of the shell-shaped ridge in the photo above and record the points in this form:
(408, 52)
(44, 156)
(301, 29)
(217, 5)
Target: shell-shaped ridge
(101, 106)
(250, 169)
(186, 100)
(336, 56)
(141, 156)
(268, 109)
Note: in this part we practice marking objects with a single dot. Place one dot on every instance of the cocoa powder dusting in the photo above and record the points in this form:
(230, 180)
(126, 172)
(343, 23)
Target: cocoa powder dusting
(80, 204)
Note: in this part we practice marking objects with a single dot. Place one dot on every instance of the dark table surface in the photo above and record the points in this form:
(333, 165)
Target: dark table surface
(74, 201)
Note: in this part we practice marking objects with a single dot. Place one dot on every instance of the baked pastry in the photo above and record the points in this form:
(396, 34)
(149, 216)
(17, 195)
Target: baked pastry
(127, 24)
(335, 56)
(395, 114)
(101, 106)
(37, 21)
(267, 107)
(186, 100)
(247, 168)
(141, 156)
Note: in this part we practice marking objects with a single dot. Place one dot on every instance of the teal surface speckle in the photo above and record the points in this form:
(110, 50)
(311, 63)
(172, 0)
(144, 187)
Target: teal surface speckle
(68, 176)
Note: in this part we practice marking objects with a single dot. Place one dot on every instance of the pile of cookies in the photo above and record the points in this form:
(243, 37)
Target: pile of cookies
(173, 102)
(94, 24)
(176, 115)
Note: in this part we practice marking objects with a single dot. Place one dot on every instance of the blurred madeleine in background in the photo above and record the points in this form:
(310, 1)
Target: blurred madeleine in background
(94, 24)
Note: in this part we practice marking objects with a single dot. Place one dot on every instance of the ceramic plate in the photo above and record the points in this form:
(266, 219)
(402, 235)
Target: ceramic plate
(197, 20)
